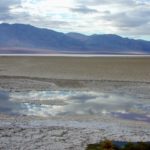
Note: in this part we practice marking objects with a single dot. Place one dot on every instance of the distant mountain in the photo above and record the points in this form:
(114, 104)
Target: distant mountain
(77, 36)
(19, 38)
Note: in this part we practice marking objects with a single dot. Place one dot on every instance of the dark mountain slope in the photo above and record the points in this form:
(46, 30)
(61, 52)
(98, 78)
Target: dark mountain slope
(26, 37)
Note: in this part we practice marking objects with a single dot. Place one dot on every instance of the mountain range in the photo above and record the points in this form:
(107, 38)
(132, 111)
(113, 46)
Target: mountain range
(24, 39)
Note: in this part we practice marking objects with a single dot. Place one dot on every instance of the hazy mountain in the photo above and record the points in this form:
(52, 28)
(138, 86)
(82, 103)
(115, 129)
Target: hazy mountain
(77, 36)
(19, 38)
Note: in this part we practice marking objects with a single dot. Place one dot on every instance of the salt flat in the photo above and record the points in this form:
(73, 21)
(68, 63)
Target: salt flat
(127, 75)
(81, 68)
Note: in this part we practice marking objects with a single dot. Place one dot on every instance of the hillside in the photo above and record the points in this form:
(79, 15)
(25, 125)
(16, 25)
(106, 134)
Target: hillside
(20, 38)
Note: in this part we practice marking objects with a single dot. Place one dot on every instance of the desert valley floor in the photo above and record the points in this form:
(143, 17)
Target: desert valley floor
(56, 103)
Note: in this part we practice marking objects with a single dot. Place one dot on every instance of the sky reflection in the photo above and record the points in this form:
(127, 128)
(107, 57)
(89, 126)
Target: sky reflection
(75, 103)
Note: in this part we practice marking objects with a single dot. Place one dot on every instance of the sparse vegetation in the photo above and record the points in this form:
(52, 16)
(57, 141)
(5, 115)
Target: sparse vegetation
(109, 145)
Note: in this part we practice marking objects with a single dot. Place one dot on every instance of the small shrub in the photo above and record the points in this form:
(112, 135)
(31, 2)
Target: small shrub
(104, 145)
(108, 145)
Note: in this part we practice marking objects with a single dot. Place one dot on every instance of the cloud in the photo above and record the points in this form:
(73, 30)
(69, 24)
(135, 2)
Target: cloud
(84, 10)
(129, 22)
(56, 24)
(104, 2)
(123, 17)
(130, 19)
(91, 2)
(8, 3)
(9, 13)
(5, 8)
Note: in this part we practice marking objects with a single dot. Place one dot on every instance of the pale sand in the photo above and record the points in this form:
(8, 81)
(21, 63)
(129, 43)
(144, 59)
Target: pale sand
(127, 75)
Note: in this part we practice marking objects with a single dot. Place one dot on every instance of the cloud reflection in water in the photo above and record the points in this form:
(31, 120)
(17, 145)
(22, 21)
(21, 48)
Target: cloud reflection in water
(78, 103)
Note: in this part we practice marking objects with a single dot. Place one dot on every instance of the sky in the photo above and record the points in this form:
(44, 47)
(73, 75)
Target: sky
(129, 18)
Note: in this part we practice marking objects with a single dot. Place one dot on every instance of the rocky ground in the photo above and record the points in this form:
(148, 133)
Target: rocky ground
(66, 133)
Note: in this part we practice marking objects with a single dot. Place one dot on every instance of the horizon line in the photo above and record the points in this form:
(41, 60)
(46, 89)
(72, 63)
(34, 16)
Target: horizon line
(76, 55)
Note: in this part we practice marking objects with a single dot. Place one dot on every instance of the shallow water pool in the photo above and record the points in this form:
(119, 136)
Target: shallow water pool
(53, 103)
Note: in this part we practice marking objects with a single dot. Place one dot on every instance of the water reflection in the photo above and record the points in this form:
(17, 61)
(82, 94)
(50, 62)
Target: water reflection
(6, 105)
(46, 103)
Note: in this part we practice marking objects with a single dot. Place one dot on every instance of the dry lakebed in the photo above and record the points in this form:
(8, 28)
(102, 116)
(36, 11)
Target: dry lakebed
(65, 103)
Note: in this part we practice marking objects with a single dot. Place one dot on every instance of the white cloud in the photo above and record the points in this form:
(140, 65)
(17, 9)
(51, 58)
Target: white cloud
(124, 17)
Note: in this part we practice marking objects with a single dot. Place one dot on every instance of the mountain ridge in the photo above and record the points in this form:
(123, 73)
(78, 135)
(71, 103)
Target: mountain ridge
(21, 36)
